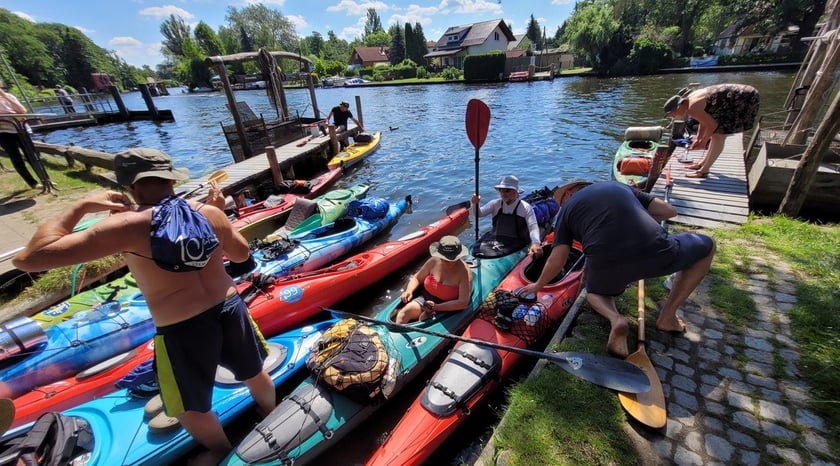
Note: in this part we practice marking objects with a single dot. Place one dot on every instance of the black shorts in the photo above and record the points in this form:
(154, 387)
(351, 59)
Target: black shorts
(610, 276)
(187, 354)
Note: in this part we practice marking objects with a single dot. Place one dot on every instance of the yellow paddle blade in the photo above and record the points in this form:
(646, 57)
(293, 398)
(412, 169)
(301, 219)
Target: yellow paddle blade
(646, 407)
(217, 177)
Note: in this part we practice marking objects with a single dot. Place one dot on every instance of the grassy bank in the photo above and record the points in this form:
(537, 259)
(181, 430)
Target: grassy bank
(557, 419)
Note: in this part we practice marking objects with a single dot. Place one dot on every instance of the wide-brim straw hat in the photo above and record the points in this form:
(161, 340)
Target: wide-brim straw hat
(571, 188)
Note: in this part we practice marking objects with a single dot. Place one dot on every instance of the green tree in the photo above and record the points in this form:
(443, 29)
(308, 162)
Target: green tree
(373, 24)
(421, 49)
(207, 40)
(533, 32)
(378, 39)
(174, 30)
(590, 29)
(336, 49)
(396, 53)
(265, 27)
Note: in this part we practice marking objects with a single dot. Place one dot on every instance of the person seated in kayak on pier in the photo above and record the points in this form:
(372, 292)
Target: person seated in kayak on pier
(624, 242)
(340, 115)
(201, 322)
(446, 283)
(720, 110)
(514, 220)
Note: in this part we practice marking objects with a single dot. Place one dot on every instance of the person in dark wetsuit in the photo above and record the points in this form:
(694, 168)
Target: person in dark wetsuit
(200, 319)
(446, 280)
(340, 115)
(721, 110)
(623, 242)
(514, 221)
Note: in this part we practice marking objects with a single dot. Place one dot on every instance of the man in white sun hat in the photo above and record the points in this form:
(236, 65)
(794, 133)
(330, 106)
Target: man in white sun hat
(513, 219)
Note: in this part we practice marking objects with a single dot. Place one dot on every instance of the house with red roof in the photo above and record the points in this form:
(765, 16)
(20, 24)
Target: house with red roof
(368, 57)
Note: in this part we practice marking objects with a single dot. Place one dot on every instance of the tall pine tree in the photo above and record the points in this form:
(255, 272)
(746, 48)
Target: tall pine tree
(396, 53)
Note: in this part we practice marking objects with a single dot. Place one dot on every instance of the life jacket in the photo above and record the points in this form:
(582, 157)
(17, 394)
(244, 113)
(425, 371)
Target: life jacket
(351, 358)
(634, 166)
(53, 440)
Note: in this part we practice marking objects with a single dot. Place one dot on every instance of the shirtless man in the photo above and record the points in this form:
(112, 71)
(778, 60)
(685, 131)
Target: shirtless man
(201, 322)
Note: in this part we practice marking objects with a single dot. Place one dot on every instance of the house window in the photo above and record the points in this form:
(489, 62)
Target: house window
(496, 35)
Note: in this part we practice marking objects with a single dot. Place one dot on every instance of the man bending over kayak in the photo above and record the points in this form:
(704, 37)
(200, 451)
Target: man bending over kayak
(174, 249)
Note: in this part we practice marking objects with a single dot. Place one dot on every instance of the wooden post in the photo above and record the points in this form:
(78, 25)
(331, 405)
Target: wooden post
(276, 174)
(147, 97)
(315, 109)
(85, 96)
(359, 111)
(333, 139)
(821, 87)
(803, 176)
(115, 93)
(237, 119)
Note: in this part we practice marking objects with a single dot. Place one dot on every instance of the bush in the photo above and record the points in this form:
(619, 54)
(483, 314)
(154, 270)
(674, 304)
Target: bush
(648, 56)
(484, 67)
(451, 74)
(422, 73)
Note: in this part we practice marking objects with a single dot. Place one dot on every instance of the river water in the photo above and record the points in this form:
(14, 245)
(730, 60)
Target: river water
(546, 133)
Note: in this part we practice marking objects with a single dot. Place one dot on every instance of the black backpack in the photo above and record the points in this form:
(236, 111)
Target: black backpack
(54, 440)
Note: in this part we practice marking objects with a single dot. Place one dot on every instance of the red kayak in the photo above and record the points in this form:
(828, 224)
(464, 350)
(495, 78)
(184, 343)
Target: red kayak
(278, 203)
(294, 298)
(286, 303)
(471, 372)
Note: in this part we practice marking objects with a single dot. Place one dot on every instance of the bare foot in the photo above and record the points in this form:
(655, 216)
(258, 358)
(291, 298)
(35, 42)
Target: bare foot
(676, 326)
(617, 342)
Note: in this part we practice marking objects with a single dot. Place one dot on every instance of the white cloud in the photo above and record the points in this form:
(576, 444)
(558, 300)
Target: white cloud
(166, 11)
(470, 6)
(414, 14)
(84, 29)
(351, 7)
(349, 33)
(23, 15)
(136, 52)
(561, 2)
(298, 22)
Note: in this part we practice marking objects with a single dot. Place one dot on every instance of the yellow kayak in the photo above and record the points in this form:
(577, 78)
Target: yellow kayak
(354, 153)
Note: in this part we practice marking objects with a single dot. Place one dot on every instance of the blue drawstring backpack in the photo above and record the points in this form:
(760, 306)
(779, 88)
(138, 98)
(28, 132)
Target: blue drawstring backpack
(182, 239)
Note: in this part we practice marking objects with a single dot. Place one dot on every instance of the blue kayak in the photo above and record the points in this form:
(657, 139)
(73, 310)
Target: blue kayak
(85, 340)
(121, 430)
(314, 416)
(324, 244)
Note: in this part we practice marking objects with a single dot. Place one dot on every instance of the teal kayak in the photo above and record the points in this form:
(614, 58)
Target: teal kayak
(121, 432)
(314, 417)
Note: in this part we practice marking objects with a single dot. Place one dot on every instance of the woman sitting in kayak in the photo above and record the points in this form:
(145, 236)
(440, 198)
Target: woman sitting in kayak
(446, 280)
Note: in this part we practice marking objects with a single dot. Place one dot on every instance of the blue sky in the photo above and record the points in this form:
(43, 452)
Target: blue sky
(132, 27)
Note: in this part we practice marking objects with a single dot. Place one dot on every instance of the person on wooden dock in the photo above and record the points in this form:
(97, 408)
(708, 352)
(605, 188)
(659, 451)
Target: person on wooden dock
(721, 110)
(174, 249)
(624, 242)
(10, 138)
(64, 99)
(514, 220)
(340, 115)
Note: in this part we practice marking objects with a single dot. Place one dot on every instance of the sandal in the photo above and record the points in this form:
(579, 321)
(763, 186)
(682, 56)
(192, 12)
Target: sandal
(697, 175)
(694, 166)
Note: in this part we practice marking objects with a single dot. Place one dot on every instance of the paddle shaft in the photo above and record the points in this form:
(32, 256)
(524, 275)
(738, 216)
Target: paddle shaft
(601, 370)
(215, 177)
(641, 314)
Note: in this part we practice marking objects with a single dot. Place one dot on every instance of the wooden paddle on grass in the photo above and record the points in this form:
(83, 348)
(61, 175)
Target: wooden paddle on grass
(605, 371)
(646, 407)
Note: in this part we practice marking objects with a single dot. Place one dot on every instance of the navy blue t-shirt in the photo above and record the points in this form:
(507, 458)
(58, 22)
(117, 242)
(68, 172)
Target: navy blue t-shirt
(610, 219)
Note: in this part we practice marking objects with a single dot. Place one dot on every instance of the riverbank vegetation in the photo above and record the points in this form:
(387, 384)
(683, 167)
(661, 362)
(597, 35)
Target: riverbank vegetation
(610, 36)
(555, 418)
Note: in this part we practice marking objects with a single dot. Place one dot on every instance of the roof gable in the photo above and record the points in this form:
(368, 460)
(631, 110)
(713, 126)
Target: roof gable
(472, 34)
(372, 54)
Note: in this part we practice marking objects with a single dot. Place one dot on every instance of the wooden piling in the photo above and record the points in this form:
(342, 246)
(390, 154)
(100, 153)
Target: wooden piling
(115, 93)
(147, 97)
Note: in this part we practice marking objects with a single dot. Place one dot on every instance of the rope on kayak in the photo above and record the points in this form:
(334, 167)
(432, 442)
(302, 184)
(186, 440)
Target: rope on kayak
(73, 276)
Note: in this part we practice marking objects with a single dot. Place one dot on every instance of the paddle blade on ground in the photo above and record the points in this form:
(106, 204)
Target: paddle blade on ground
(477, 122)
(647, 407)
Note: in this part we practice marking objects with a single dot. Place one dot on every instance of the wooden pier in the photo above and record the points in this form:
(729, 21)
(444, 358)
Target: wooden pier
(721, 200)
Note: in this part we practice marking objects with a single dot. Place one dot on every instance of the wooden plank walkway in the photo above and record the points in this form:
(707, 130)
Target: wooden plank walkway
(256, 168)
(720, 200)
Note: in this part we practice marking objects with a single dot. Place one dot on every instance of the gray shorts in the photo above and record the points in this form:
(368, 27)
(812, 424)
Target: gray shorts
(609, 276)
